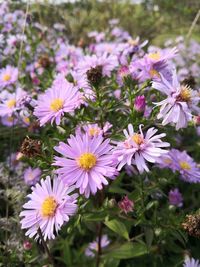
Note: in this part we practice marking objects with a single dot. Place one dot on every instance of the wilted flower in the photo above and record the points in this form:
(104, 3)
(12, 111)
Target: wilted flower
(48, 208)
(175, 197)
(94, 247)
(192, 225)
(30, 147)
(126, 205)
(87, 162)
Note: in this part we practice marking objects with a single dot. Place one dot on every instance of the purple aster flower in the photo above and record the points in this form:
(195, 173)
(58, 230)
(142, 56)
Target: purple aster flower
(9, 121)
(140, 103)
(191, 262)
(184, 164)
(93, 129)
(176, 108)
(48, 208)
(175, 197)
(62, 97)
(8, 76)
(138, 148)
(12, 102)
(107, 62)
(94, 247)
(32, 176)
(87, 162)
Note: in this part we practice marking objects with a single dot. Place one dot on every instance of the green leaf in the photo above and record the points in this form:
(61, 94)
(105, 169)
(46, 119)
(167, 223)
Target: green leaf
(128, 251)
(118, 227)
(95, 217)
(148, 236)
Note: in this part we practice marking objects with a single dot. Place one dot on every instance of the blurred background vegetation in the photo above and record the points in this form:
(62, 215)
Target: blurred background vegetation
(155, 20)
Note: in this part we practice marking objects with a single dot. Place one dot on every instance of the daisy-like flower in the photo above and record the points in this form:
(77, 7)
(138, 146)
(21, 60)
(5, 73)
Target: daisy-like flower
(180, 101)
(8, 76)
(184, 164)
(107, 63)
(61, 98)
(48, 208)
(12, 102)
(93, 129)
(87, 162)
(94, 247)
(32, 176)
(138, 148)
(191, 262)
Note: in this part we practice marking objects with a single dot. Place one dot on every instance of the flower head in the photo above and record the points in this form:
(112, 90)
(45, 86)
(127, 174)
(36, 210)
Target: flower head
(138, 148)
(8, 76)
(177, 107)
(93, 246)
(62, 97)
(87, 162)
(48, 208)
(32, 176)
(190, 262)
(175, 197)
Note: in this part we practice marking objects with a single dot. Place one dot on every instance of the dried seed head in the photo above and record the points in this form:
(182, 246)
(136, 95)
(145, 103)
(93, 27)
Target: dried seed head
(192, 225)
(44, 61)
(30, 147)
(94, 75)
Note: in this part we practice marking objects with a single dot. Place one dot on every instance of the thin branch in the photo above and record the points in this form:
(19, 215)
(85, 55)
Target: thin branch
(51, 261)
(193, 25)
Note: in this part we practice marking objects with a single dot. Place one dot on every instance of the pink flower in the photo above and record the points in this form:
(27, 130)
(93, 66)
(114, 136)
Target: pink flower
(27, 245)
(138, 148)
(61, 98)
(140, 103)
(126, 205)
(87, 162)
(48, 208)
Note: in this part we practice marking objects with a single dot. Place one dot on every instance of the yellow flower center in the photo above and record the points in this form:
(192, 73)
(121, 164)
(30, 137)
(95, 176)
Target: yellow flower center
(11, 103)
(6, 77)
(56, 104)
(87, 161)
(137, 138)
(154, 73)
(93, 131)
(184, 165)
(49, 207)
(26, 119)
(185, 94)
(154, 56)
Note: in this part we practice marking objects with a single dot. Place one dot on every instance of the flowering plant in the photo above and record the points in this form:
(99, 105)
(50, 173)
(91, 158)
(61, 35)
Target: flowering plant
(106, 154)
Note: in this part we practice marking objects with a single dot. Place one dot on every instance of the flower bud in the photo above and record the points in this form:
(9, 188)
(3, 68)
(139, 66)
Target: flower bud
(140, 103)
(27, 245)
(126, 205)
